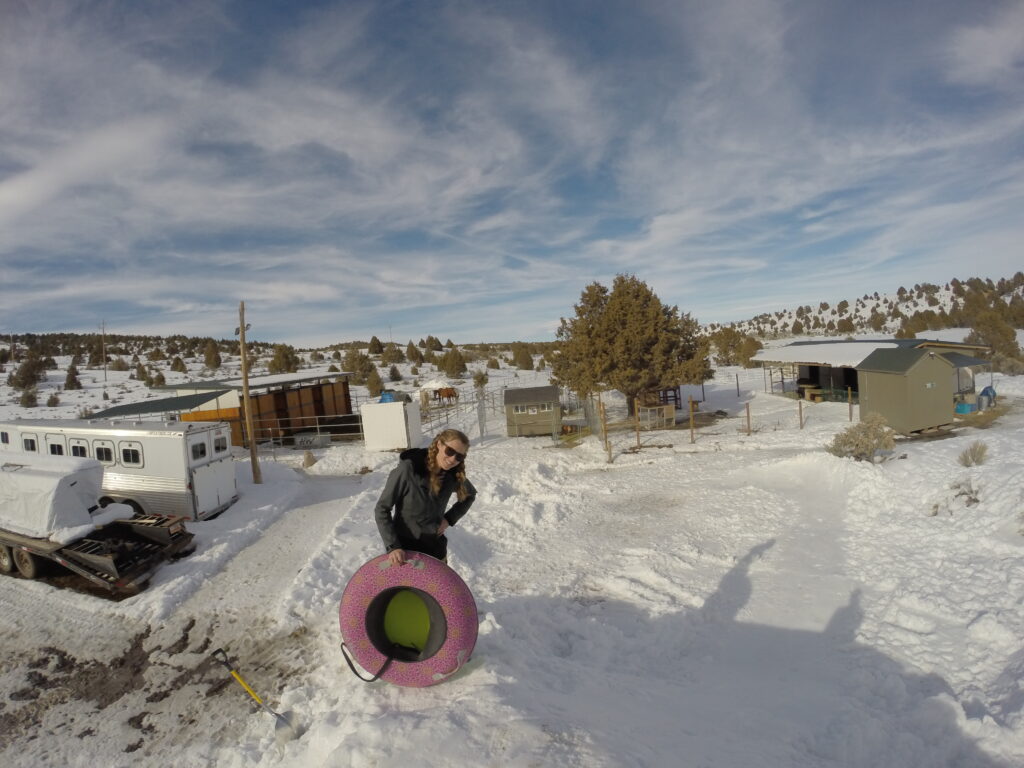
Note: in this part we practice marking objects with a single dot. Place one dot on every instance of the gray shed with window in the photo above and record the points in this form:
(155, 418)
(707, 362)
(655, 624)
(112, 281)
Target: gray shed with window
(912, 388)
(533, 411)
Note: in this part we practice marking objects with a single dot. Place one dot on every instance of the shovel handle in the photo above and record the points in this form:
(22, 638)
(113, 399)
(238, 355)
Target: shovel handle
(221, 655)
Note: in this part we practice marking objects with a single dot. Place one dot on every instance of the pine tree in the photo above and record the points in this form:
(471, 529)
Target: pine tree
(178, 365)
(374, 384)
(413, 353)
(211, 355)
(453, 363)
(71, 381)
(285, 359)
(392, 354)
(394, 374)
(626, 339)
(376, 347)
(521, 356)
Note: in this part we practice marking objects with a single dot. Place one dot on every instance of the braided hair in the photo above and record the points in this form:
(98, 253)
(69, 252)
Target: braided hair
(434, 469)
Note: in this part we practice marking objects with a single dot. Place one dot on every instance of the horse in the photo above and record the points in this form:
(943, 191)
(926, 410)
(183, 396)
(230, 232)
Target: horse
(446, 395)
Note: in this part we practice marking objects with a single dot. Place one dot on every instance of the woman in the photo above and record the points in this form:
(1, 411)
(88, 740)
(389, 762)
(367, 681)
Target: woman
(418, 490)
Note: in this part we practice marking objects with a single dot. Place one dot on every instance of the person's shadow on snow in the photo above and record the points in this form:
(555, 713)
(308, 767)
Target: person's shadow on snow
(599, 680)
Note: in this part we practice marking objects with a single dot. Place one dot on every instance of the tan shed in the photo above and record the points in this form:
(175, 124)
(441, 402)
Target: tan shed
(912, 389)
(533, 411)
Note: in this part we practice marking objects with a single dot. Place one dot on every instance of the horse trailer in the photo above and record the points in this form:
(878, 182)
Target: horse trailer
(156, 467)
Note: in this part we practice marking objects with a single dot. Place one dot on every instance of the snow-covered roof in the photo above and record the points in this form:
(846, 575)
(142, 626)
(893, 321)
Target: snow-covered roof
(435, 384)
(838, 354)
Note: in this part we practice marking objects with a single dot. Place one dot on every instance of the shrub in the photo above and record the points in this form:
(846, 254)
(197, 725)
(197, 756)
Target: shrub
(974, 454)
(493, 363)
(374, 384)
(394, 374)
(52, 401)
(29, 398)
(85, 412)
(865, 441)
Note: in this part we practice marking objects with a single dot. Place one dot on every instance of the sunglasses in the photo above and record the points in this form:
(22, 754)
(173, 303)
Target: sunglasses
(451, 452)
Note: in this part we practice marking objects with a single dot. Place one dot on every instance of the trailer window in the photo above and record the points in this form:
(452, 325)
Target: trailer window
(29, 444)
(198, 451)
(5, 438)
(105, 454)
(220, 444)
(79, 450)
(56, 450)
(131, 457)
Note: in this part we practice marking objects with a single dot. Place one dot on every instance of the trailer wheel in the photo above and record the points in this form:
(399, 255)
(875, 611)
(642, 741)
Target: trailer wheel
(28, 564)
(6, 560)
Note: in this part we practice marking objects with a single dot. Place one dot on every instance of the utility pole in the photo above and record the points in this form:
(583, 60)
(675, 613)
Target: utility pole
(257, 477)
(103, 352)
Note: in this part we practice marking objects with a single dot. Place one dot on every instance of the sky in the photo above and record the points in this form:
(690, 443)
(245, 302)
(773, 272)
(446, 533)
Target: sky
(734, 598)
(466, 169)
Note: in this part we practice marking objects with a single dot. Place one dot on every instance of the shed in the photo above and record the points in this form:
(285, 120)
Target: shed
(533, 411)
(913, 389)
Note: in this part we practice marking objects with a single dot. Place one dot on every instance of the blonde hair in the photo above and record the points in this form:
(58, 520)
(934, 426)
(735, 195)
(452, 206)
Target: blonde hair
(434, 469)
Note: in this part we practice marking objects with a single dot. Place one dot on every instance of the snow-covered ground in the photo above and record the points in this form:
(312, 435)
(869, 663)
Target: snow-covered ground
(739, 600)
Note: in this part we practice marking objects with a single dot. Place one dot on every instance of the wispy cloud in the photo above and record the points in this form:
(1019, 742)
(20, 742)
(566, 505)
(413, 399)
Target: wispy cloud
(466, 169)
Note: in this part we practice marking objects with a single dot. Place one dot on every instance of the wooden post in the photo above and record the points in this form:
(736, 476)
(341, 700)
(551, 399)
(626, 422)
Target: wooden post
(849, 399)
(604, 427)
(636, 420)
(737, 385)
(800, 408)
(257, 476)
(693, 437)
(748, 419)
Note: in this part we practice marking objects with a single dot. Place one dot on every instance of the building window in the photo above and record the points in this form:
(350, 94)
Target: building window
(56, 450)
(220, 444)
(105, 454)
(79, 450)
(198, 451)
(29, 444)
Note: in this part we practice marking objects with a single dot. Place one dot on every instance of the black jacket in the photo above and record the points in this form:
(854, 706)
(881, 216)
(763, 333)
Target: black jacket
(417, 512)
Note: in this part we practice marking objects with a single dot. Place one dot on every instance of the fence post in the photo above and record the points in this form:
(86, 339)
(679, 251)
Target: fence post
(849, 398)
(737, 385)
(748, 419)
(800, 408)
(693, 437)
(636, 420)
(603, 417)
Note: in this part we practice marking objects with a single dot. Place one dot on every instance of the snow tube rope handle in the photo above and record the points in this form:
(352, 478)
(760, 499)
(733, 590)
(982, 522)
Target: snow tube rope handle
(381, 671)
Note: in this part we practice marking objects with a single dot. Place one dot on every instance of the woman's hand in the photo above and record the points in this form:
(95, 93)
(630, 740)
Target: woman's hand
(396, 557)
(442, 526)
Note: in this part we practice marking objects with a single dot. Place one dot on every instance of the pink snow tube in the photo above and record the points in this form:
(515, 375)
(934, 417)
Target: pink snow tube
(417, 622)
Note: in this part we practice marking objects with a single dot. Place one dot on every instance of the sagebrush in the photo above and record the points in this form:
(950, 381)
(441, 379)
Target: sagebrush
(866, 441)
(974, 454)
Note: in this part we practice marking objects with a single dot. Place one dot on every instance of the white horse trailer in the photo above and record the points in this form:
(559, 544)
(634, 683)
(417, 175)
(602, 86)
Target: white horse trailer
(157, 467)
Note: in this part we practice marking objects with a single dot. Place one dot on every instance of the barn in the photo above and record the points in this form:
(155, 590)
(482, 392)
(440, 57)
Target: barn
(533, 411)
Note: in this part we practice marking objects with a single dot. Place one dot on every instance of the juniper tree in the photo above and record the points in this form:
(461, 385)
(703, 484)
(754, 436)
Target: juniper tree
(626, 339)
(374, 384)
(376, 347)
(392, 354)
(413, 353)
(71, 380)
(211, 355)
(285, 359)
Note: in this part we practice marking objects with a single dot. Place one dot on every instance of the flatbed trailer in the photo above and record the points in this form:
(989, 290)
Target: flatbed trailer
(119, 556)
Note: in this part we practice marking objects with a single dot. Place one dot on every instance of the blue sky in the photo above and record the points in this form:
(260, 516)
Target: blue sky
(465, 169)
